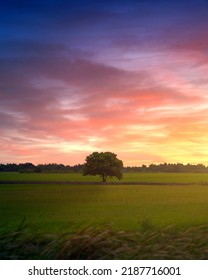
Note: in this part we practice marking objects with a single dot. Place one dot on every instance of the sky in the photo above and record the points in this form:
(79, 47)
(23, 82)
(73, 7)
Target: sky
(130, 77)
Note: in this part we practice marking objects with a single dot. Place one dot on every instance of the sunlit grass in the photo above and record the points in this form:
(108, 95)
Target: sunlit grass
(104, 221)
(55, 207)
(127, 177)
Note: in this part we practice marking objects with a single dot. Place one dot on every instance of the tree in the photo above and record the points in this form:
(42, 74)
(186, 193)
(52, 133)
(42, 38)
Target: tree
(104, 164)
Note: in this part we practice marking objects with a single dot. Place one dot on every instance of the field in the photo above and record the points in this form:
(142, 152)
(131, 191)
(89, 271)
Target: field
(128, 177)
(54, 207)
(59, 208)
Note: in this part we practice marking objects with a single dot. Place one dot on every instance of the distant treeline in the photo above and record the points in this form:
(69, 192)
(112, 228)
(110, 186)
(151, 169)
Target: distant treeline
(54, 167)
(169, 167)
(29, 167)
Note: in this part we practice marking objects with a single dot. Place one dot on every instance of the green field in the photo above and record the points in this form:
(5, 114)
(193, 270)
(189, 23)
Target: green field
(127, 177)
(56, 208)
(42, 218)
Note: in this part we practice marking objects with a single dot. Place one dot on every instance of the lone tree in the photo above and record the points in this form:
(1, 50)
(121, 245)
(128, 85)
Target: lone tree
(104, 164)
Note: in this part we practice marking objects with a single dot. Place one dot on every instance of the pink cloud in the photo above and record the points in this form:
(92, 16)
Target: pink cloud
(61, 110)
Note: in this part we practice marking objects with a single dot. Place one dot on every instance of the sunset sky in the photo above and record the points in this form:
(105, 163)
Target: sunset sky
(130, 77)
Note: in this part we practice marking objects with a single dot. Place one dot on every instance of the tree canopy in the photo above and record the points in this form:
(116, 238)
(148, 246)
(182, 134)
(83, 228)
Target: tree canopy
(104, 164)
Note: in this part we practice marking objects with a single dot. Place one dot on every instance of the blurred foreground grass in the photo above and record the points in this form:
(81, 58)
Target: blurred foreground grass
(92, 243)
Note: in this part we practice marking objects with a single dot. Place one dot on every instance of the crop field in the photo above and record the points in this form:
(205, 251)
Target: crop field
(60, 208)
(54, 207)
(127, 177)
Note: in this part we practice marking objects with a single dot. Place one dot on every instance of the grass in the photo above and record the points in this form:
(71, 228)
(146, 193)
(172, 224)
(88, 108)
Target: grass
(15, 176)
(92, 243)
(128, 177)
(54, 207)
(104, 221)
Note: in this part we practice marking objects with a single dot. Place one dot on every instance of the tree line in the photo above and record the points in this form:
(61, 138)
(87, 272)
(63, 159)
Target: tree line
(29, 168)
(169, 167)
(54, 167)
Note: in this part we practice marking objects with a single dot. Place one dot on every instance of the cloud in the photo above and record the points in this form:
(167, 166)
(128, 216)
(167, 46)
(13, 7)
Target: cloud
(103, 101)
(82, 76)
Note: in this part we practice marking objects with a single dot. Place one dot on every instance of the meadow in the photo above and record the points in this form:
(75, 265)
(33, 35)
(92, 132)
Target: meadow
(60, 208)
(127, 177)
(54, 207)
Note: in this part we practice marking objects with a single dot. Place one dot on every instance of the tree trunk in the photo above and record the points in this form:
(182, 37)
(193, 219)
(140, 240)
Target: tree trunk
(104, 178)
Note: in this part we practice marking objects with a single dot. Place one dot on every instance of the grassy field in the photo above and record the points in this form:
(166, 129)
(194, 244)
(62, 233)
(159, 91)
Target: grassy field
(57, 209)
(127, 177)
